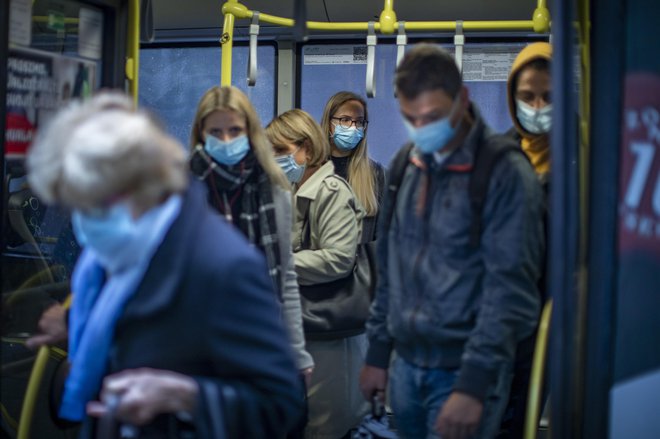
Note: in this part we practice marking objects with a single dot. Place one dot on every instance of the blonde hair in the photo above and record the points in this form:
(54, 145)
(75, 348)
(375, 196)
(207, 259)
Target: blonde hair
(298, 127)
(94, 151)
(232, 99)
(361, 175)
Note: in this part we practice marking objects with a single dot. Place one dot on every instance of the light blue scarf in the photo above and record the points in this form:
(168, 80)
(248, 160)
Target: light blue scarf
(97, 306)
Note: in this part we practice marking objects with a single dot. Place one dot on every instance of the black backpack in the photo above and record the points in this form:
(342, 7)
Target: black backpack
(486, 157)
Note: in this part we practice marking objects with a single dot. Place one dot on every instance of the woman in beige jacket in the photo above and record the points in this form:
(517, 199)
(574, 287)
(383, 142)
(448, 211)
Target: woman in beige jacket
(326, 231)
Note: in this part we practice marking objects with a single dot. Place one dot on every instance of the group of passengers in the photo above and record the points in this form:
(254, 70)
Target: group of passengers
(274, 282)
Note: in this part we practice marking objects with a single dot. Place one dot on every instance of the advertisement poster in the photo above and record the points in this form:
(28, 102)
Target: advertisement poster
(635, 393)
(639, 208)
(38, 83)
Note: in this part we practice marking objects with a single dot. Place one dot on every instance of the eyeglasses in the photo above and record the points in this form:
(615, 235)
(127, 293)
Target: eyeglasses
(346, 122)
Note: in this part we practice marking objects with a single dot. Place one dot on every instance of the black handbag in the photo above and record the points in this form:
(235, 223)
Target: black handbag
(339, 309)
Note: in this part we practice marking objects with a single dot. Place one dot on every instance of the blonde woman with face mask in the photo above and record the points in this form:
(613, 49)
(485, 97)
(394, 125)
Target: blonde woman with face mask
(326, 230)
(231, 155)
(344, 122)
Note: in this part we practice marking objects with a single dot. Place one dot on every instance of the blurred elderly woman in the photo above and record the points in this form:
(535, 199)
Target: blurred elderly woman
(173, 311)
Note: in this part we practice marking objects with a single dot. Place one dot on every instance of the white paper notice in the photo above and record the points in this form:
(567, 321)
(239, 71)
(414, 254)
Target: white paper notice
(488, 64)
(90, 33)
(20, 22)
(331, 54)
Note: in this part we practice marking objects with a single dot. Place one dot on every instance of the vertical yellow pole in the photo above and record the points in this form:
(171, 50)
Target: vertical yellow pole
(541, 17)
(133, 48)
(227, 43)
(534, 402)
(31, 393)
(388, 18)
(34, 383)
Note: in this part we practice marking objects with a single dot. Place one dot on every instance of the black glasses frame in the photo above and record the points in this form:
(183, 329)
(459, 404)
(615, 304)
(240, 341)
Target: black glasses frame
(343, 120)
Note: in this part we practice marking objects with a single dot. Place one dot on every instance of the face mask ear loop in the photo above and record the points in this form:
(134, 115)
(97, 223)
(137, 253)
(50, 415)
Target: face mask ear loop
(454, 108)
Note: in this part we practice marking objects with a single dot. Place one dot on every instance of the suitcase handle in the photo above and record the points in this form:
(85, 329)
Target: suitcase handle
(377, 406)
(107, 426)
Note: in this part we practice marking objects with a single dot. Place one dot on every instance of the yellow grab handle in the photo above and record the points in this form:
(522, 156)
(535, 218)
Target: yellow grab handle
(538, 370)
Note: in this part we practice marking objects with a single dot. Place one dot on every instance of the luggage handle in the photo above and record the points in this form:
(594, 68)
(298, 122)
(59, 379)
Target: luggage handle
(377, 406)
(108, 427)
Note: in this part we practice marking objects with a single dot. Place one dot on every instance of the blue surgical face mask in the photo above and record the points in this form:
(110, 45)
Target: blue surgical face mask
(433, 136)
(227, 153)
(533, 120)
(107, 233)
(293, 170)
(347, 138)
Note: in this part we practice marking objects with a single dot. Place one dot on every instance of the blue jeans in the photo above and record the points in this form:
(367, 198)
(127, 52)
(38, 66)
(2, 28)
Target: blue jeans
(417, 395)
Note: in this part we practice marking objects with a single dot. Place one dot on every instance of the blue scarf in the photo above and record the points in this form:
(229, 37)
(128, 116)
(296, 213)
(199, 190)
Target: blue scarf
(98, 304)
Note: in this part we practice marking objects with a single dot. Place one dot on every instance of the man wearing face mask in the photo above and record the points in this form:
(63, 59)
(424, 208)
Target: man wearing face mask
(452, 307)
(529, 89)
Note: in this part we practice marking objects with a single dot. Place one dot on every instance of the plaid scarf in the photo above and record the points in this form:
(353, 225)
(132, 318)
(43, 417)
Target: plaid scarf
(257, 215)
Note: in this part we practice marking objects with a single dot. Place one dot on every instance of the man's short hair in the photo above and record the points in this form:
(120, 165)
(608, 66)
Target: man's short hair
(427, 67)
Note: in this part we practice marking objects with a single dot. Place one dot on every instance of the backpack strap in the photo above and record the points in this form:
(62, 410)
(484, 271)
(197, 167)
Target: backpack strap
(486, 157)
(394, 179)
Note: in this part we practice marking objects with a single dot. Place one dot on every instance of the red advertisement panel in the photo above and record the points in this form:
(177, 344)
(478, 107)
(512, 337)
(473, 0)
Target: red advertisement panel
(639, 201)
(38, 83)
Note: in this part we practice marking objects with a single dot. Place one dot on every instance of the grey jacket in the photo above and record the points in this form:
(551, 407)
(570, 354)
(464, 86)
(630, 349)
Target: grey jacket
(439, 301)
(289, 288)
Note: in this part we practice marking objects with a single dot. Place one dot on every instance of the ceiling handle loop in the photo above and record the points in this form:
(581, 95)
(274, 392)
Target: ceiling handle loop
(371, 60)
(459, 42)
(252, 54)
(401, 42)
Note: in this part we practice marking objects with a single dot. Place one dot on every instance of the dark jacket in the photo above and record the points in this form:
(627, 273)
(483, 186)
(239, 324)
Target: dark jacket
(443, 303)
(206, 308)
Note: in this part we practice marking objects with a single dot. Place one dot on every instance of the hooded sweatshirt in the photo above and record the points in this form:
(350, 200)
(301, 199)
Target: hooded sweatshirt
(536, 146)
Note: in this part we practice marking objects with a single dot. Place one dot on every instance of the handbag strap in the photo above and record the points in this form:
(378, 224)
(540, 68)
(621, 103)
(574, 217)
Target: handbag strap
(306, 242)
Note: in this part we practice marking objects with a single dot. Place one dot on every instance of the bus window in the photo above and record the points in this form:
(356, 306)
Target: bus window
(329, 68)
(173, 79)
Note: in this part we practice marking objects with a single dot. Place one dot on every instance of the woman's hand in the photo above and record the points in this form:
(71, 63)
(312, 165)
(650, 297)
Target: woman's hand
(146, 393)
(307, 375)
(52, 328)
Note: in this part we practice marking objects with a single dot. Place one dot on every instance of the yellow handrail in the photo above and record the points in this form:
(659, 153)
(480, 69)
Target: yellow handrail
(484, 25)
(231, 9)
(30, 399)
(36, 376)
(538, 371)
(387, 18)
(133, 48)
(387, 24)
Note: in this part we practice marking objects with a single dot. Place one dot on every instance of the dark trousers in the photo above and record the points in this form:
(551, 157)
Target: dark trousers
(298, 431)
(513, 422)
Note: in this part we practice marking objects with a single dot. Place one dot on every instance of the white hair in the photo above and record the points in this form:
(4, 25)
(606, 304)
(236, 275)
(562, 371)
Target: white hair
(95, 151)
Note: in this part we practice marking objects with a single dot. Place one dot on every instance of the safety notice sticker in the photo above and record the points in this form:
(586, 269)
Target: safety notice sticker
(334, 54)
(488, 64)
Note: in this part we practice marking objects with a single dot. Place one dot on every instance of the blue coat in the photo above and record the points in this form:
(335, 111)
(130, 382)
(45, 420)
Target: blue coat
(206, 308)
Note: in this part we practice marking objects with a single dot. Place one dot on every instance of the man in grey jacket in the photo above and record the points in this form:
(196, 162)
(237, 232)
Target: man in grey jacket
(452, 311)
